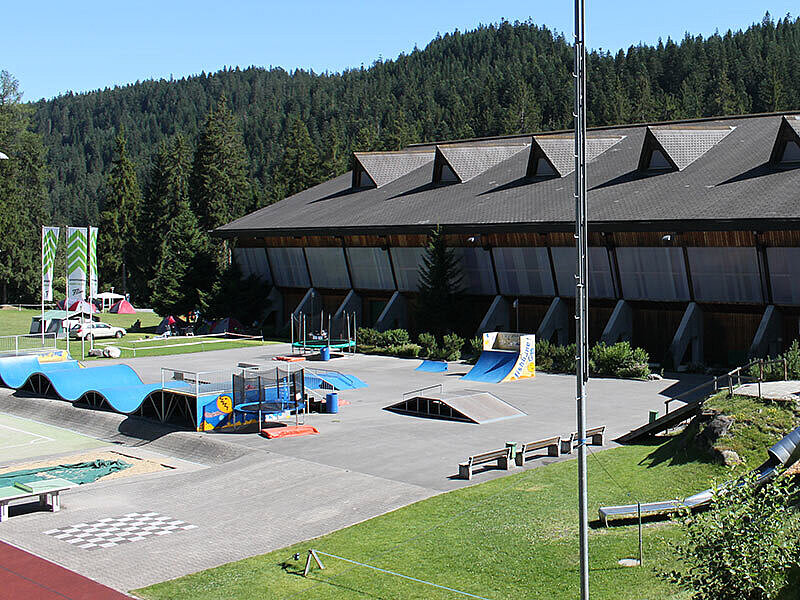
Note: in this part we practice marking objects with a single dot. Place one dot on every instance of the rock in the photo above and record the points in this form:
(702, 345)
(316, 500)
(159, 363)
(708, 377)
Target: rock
(96, 352)
(112, 352)
(730, 458)
(713, 427)
(654, 377)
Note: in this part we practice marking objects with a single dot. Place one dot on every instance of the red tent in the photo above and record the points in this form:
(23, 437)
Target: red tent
(83, 306)
(226, 325)
(122, 307)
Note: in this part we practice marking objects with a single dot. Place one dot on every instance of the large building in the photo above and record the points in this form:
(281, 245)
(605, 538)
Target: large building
(694, 243)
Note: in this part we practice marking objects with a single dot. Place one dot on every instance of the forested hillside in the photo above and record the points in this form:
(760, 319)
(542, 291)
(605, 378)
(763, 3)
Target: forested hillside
(503, 78)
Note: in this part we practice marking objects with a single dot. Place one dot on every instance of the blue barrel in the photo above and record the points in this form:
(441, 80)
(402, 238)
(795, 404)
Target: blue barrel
(332, 403)
(325, 353)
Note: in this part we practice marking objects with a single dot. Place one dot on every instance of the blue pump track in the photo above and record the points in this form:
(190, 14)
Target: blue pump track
(114, 387)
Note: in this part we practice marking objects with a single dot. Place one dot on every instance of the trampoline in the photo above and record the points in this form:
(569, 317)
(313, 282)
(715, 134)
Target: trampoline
(319, 344)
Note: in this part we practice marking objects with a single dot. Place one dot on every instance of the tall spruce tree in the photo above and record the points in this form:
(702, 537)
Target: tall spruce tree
(300, 167)
(440, 286)
(23, 195)
(118, 252)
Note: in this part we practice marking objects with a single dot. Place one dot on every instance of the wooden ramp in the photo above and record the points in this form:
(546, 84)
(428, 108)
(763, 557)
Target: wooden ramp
(470, 406)
(668, 420)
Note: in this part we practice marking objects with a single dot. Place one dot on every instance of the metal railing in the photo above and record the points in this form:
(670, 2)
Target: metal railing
(737, 375)
(197, 383)
(424, 392)
(27, 343)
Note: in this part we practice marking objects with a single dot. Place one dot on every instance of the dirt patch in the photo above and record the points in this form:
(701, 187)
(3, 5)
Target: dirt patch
(139, 466)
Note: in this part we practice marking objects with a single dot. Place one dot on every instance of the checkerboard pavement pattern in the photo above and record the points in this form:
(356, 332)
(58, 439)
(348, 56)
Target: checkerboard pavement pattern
(112, 531)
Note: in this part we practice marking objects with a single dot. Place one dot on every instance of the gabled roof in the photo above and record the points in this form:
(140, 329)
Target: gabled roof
(386, 167)
(470, 160)
(559, 151)
(788, 131)
(681, 145)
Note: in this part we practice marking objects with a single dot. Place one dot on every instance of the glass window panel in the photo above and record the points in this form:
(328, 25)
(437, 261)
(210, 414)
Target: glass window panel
(370, 268)
(725, 274)
(328, 269)
(476, 267)
(784, 274)
(653, 273)
(523, 271)
(253, 262)
(600, 283)
(289, 267)
(406, 267)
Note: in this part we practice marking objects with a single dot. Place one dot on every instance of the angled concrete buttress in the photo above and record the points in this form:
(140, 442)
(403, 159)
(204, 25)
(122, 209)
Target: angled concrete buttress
(620, 326)
(768, 340)
(350, 304)
(497, 318)
(688, 335)
(556, 320)
(394, 313)
(306, 305)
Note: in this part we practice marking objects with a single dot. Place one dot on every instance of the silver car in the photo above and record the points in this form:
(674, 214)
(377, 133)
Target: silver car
(96, 330)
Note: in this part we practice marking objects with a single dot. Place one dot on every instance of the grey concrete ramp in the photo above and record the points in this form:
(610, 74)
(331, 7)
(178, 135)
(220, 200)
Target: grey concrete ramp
(466, 405)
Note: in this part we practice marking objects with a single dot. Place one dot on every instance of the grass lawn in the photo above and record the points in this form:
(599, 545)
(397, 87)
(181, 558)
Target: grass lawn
(514, 537)
(14, 322)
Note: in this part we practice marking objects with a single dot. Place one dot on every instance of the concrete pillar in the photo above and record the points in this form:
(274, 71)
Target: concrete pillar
(351, 303)
(497, 318)
(768, 340)
(556, 320)
(620, 326)
(688, 335)
(273, 303)
(394, 314)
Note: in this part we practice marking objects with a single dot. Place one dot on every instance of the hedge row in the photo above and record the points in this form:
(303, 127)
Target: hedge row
(397, 342)
(617, 360)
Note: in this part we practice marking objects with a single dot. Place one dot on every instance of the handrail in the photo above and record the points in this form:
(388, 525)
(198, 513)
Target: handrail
(425, 389)
(737, 373)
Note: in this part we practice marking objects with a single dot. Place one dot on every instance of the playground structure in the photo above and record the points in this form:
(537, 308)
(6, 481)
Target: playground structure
(312, 333)
(781, 456)
(505, 357)
(468, 406)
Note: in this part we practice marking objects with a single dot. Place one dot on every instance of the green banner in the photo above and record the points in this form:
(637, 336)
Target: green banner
(49, 246)
(76, 264)
(92, 262)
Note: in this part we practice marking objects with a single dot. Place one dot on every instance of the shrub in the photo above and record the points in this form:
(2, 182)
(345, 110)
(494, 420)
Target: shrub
(427, 341)
(451, 346)
(564, 358)
(774, 372)
(367, 336)
(744, 548)
(619, 360)
(404, 350)
(476, 345)
(394, 337)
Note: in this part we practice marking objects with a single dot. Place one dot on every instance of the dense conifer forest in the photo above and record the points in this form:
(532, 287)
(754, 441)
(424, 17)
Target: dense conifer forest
(208, 148)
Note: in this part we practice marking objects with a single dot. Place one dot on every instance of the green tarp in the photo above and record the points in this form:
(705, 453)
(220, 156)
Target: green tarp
(79, 473)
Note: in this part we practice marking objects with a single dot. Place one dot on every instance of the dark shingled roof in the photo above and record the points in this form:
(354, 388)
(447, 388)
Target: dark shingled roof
(470, 160)
(385, 167)
(729, 185)
(559, 150)
(684, 145)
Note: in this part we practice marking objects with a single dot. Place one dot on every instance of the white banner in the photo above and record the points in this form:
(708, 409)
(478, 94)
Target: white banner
(76, 264)
(49, 245)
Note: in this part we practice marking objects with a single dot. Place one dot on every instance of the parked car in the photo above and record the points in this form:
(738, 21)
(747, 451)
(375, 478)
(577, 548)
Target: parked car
(96, 330)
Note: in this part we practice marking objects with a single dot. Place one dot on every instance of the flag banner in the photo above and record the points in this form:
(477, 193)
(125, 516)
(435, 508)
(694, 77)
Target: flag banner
(49, 245)
(76, 264)
(92, 262)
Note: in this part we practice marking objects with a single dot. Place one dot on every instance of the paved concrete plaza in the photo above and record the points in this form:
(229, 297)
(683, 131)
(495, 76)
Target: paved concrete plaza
(249, 495)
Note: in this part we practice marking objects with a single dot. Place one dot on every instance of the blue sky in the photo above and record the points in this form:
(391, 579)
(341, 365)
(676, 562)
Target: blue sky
(53, 47)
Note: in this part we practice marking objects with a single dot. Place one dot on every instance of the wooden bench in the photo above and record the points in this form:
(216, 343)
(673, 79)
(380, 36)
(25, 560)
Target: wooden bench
(552, 444)
(502, 457)
(47, 490)
(595, 434)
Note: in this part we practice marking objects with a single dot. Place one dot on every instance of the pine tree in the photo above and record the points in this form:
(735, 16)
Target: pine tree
(440, 285)
(179, 274)
(220, 184)
(23, 195)
(299, 168)
(118, 252)
(334, 162)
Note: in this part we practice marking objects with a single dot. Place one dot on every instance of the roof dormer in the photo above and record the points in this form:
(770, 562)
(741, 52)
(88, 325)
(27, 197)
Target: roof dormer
(554, 155)
(458, 163)
(786, 150)
(376, 169)
(675, 147)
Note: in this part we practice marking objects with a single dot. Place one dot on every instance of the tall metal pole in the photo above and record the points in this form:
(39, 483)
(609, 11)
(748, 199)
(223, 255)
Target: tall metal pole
(581, 289)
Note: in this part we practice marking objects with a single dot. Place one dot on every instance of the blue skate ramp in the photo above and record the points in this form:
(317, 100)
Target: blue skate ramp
(16, 370)
(492, 366)
(332, 379)
(71, 385)
(432, 366)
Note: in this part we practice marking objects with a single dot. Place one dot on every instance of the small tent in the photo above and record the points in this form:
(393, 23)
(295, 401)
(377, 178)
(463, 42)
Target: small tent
(82, 306)
(226, 325)
(166, 325)
(108, 299)
(123, 307)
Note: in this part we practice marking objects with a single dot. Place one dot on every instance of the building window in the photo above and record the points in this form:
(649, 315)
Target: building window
(447, 175)
(791, 153)
(370, 268)
(476, 268)
(725, 275)
(653, 274)
(407, 262)
(543, 169)
(600, 283)
(289, 266)
(364, 180)
(658, 162)
(523, 271)
(328, 269)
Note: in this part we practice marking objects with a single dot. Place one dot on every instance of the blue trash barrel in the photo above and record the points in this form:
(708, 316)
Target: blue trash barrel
(325, 353)
(332, 403)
